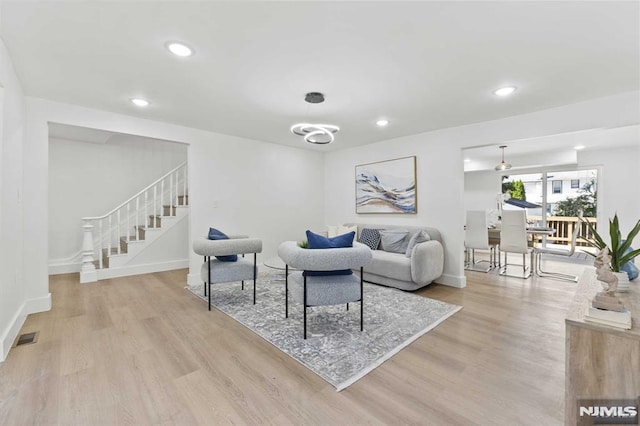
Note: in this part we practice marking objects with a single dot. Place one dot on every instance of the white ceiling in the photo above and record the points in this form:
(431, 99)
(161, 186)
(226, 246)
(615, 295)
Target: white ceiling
(422, 65)
(96, 136)
(550, 150)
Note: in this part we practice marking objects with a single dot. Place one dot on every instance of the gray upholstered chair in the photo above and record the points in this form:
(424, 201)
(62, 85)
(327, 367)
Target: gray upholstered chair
(214, 271)
(324, 290)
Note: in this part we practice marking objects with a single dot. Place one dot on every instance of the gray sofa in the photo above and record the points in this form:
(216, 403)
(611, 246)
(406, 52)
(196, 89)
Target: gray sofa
(406, 273)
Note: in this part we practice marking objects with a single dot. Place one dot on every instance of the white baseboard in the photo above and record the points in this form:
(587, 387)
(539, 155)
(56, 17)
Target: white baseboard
(64, 268)
(452, 280)
(30, 306)
(194, 279)
(125, 271)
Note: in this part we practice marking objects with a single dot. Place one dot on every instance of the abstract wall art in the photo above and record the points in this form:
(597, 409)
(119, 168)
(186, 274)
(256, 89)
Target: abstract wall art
(387, 186)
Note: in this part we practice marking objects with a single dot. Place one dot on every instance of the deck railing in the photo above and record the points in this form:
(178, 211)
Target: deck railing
(564, 226)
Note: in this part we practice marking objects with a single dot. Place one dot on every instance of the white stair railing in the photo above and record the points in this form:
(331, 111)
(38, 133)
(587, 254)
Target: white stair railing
(101, 234)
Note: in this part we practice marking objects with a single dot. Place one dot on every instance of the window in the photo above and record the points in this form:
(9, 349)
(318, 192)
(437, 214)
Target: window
(557, 186)
(575, 183)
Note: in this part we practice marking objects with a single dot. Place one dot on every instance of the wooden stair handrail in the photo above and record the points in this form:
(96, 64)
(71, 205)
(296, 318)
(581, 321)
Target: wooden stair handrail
(136, 195)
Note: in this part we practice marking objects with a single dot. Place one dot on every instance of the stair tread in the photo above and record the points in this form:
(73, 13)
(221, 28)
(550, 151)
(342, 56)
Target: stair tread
(114, 251)
(131, 240)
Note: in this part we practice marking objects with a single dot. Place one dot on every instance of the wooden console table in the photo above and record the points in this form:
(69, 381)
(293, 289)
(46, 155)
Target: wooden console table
(601, 361)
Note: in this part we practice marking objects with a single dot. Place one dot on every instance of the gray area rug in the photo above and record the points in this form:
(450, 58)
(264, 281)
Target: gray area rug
(335, 349)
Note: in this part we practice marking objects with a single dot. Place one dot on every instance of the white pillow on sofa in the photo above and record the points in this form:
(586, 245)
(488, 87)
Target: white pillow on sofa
(333, 231)
(419, 237)
(394, 240)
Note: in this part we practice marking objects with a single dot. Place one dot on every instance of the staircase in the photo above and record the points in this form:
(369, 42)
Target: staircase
(113, 240)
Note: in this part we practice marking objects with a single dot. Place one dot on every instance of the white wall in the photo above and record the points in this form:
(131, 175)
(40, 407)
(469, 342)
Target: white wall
(237, 185)
(481, 189)
(618, 181)
(440, 166)
(14, 302)
(90, 179)
(172, 247)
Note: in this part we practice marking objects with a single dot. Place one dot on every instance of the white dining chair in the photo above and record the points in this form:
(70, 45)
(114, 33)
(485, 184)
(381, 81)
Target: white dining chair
(513, 239)
(477, 238)
(539, 251)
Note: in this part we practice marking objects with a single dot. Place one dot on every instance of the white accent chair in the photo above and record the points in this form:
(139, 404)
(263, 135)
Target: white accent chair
(539, 251)
(513, 239)
(324, 290)
(477, 238)
(214, 271)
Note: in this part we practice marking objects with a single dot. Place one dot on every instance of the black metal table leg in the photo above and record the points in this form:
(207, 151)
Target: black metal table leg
(361, 301)
(286, 291)
(305, 307)
(255, 271)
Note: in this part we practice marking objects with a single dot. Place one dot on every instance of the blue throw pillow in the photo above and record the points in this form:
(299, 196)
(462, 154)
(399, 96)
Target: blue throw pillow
(215, 234)
(326, 273)
(339, 241)
(630, 267)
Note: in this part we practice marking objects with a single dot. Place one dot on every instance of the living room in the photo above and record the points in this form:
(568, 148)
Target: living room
(268, 183)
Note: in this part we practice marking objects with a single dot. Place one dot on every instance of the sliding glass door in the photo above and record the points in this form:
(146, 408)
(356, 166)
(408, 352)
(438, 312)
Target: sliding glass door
(553, 199)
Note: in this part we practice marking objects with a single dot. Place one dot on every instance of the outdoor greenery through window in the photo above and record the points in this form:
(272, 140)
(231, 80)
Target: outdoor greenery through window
(561, 195)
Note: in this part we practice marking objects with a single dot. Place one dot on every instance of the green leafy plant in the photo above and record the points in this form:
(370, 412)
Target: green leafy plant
(303, 244)
(618, 246)
(515, 189)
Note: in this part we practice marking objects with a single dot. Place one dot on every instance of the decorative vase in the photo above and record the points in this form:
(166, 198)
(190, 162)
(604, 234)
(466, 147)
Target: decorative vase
(623, 281)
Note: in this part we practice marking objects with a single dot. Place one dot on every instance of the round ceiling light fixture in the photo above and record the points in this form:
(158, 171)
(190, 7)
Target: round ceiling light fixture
(319, 134)
(179, 49)
(505, 91)
(382, 122)
(502, 166)
(140, 102)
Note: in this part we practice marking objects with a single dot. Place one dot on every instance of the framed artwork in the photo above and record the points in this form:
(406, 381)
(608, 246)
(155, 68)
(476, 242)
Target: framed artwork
(387, 186)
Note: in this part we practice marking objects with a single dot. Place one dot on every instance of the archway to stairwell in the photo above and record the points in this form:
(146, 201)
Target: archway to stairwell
(93, 171)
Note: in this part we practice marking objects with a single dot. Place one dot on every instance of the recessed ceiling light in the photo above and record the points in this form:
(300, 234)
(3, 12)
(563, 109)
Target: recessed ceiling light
(505, 91)
(467, 160)
(578, 147)
(179, 49)
(139, 102)
(382, 123)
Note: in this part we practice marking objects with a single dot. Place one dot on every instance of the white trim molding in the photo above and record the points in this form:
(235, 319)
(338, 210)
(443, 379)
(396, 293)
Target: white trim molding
(458, 281)
(30, 306)
(125, 271)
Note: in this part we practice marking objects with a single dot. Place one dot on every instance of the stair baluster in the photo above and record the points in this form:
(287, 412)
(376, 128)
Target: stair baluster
(146, 202)
(184, 183)
(102, 233)
(100, 243)
(88, 267)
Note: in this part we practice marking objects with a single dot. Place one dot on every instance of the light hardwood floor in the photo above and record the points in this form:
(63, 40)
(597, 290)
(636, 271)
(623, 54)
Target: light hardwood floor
(143, 350)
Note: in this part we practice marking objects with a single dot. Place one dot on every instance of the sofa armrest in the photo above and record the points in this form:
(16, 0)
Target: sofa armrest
(427, 262)
(206, 247)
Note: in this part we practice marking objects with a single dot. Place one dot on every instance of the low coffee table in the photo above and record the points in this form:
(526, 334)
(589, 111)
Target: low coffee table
(278, 265)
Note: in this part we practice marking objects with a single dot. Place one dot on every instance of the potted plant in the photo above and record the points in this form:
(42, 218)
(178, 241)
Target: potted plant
(619, 248)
